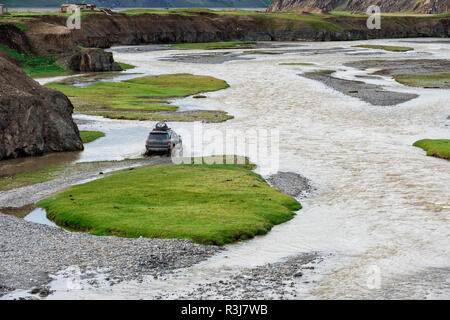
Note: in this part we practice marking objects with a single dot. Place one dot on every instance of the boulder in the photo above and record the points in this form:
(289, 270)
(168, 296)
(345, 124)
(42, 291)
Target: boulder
(93, 60)
(33, 119)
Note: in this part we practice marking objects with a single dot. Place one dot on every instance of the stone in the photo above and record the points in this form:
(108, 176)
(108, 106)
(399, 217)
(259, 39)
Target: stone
(93, 60)
(33, 119)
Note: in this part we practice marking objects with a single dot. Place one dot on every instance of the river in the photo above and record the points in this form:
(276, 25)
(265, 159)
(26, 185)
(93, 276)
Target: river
(382, 206)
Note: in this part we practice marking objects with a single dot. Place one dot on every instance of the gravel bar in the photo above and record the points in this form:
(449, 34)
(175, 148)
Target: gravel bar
(370, 93)
(280, 280)
(30, 252)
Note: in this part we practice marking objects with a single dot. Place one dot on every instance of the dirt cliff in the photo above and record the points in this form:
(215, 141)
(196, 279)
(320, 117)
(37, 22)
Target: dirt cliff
(49, 35)
(33, 119)
(48, 39)
(423, 6)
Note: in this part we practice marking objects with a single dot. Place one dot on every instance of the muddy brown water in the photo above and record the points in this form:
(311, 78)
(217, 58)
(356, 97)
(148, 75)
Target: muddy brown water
(12, 167)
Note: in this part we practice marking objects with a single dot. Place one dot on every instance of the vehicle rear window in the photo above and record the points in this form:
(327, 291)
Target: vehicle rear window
(159, 136)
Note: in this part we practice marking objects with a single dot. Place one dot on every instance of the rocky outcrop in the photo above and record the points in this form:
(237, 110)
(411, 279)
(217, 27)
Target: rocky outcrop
(93, 60)
(33, 119)
(423, 6)
(53, 39)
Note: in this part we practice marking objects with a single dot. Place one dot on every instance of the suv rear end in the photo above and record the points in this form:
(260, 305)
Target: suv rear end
(158, 142)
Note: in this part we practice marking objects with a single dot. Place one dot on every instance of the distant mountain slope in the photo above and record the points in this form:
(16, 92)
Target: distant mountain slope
(419, 6)
(144, 3)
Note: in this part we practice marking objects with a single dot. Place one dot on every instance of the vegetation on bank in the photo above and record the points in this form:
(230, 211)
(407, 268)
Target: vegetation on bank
(386, 48)
(231, 203)
(140, 98)
(17, 16)
(326, 71)
(439, 148)
(50, 173)
(126, 66)
(440, 80)
(35, 66)
(215, 45)
(316, 21)
(208, 116)
(89, 136)
(29, 178)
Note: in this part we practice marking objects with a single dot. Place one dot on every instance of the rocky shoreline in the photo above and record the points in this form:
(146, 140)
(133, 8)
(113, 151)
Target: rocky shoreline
(279, 280)
(31, 252)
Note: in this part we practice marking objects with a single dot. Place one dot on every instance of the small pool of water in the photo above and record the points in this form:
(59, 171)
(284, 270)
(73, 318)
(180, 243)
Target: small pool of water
(39, 215)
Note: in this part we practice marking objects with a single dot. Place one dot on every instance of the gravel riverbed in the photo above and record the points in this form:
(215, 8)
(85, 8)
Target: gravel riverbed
(30, 252)
(280, 280)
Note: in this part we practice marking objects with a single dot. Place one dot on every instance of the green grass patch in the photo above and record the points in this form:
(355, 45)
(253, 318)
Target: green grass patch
(89, 136)
(140, 95)
(386, 48)
(429, 80)
(36, 66)
(181, 12)
(439, 148)
(21, 27)
(296, 64)
(23, 16)
(272, 20)
(215, 45)
(28, 178)
(126, 66)
(326, 71)
(214, 116)
(231, 203)
(53, 172)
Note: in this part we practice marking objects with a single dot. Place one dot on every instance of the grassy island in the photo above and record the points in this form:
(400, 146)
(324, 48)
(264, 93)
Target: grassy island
(439, 148)
(209, 204)
(143, 98)
(89, 136)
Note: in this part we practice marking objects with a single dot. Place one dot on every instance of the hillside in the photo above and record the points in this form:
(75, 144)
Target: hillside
(419, 6)
(145, 3)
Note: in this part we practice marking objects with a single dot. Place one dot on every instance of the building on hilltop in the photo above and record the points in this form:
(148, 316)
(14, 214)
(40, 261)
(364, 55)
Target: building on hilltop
(70, 8)
(83, 7)
(3, 9)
